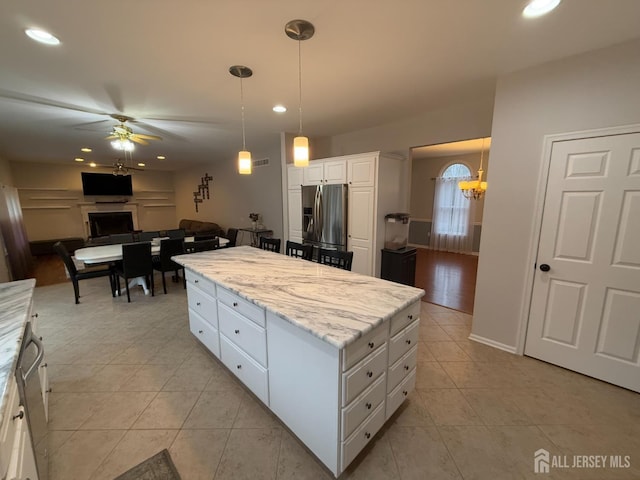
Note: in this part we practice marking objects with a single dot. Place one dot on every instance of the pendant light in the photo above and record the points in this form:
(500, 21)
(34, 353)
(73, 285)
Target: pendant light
(300, 30)
(244, 156)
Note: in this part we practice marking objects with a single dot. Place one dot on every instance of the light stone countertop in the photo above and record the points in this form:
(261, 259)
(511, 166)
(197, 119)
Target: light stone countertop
(333, 304)
(15, 301)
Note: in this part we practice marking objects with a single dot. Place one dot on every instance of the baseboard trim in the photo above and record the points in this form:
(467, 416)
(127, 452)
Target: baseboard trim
(493, 343)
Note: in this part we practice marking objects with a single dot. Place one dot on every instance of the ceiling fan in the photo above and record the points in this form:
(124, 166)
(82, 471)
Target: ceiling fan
(122, 136)
(120, 168)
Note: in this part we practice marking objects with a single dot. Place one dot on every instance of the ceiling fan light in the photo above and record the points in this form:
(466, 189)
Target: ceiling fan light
(244, 162)
(301, 151)
(123, 144)
(537, 8)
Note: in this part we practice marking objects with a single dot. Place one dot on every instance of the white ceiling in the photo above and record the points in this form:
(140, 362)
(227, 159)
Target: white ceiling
(165, 63)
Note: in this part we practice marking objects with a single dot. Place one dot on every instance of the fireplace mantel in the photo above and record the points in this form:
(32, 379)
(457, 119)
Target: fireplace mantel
(86, 209)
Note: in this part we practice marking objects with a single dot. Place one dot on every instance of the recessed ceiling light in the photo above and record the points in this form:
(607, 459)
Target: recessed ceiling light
(41, 36)
(536, 8)
(279, 109)
(86, 149)
(141, 164)
(93, 164)
(79, 159)
(161, 157)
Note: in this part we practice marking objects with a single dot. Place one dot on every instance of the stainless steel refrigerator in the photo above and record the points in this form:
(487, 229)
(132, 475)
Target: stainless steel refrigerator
(324, 216)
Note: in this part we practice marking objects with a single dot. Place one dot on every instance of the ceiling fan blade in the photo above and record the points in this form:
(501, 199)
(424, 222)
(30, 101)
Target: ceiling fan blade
(112, 137)
(23, 97)
(134, 138)
(89, 125)
(161, 132)
(146, 137)
(115, 95)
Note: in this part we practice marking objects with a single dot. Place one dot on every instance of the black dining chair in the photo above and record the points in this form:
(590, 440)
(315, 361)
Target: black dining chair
(232, 236)
(270, 244)
(298, 250)
(206, 245)
(148, 236)
(136, 262)
(117, 238)
(176, 233)
(76, 275)
(335, 258)
(163, 263)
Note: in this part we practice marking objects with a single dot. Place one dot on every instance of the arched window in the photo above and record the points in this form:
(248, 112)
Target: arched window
(451, 229)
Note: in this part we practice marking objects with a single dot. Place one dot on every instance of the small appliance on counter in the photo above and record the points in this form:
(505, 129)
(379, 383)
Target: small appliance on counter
(396, 232)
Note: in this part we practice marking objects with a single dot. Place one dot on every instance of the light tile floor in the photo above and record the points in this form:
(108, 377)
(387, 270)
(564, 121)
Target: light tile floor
(129, 380)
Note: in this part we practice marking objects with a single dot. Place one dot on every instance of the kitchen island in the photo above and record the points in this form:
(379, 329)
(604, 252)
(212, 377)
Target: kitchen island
(330, 352)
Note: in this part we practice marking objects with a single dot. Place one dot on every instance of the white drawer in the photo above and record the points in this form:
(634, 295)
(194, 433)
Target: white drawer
(362, 347)
(245, 307)
(405, 317)
(202, 283)
(403, 341)
(398, 395)
(363, 374)
(244, 333)
(8, 428)
(356, 442)
(202, 303)
(204, 332)
(399, 370)
(362, 406)
(245, 368)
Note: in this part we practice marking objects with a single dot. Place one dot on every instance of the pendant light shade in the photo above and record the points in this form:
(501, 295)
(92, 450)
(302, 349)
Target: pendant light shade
(244, 156)
(301, 152)
(300, 30)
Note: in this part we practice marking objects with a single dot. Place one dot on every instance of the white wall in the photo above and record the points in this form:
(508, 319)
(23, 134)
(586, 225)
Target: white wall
(588, 91)
(234, 196)
(5, 172)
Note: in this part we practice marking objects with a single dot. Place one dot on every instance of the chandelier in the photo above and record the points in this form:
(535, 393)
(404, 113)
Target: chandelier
(474, 189)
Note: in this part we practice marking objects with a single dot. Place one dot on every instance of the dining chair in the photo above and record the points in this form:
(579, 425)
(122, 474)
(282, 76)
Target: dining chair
(76, 275)
(136, 262)
(335, 258)
(148, 236)
(270, 244)
(163, 263)
(298, 250)
(232, 236)
(205, 245)
(176, 233)
(116, 238)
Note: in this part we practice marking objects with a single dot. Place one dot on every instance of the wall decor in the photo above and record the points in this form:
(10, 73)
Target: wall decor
(203, 190)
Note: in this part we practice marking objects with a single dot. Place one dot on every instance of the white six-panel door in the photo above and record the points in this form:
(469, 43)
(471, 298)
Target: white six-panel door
(585, 310)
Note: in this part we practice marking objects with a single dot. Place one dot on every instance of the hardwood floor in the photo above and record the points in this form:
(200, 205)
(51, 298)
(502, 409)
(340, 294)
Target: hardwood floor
(449, 279)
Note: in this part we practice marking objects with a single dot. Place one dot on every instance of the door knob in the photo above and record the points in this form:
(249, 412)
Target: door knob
(544, 267)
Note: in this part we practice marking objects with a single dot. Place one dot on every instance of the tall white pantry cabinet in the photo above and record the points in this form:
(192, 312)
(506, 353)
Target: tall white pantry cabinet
(377, 185)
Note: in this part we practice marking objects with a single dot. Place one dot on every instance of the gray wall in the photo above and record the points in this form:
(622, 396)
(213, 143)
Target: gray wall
(589, 91)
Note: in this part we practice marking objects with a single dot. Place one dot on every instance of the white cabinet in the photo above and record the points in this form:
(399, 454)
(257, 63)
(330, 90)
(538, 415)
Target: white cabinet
(294, 198)
(23, 461)
(361, 218)
(361, 171)
(294, 177)
(324, 172)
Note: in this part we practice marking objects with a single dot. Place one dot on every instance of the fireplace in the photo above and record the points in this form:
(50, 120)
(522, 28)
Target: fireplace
(108, 223)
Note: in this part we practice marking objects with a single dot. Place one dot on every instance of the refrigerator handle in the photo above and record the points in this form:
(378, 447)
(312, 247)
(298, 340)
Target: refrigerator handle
(320, 216)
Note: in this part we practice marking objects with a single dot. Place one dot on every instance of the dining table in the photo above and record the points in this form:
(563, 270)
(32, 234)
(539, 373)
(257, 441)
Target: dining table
(112, 253)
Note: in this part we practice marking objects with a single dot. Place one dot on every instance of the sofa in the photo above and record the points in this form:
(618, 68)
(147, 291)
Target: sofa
(198, 228)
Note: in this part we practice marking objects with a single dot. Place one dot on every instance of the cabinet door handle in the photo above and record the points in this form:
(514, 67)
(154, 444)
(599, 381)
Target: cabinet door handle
(35, 315)
(198, 304)
(368, 435)
(199, 331)
(369, 374)
(405, 393)
(408, 342)
(235, 304)
(371, 345)
(236, 331)
(19, 415)
(368, 405)
(406, 367)
(238, 367)
(196, 281)
(44, 365)
(49, 390)
(410, 317)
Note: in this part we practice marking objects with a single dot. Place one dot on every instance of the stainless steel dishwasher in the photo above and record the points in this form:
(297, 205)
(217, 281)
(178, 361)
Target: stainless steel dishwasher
(31, 397)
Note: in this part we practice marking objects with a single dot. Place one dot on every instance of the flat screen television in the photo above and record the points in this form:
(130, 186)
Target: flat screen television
(106, 184)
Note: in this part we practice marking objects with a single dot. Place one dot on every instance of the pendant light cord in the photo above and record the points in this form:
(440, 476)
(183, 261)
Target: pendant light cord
(244, 147)
(300, 86)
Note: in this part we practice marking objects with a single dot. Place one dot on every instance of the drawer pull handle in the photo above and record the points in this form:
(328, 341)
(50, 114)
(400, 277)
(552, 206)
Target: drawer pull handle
(235, 304)
(368, 405)
(408, 342)
(40, 338)
(238, 367)
(406, 367)
(410, 317)
(405, 393)
(198, 303)
(35, 315)
(196, 281)
(44, 365)
(199, 331)
(369, 374)
(49, 390)
(19, 415)
(367, 434)
(236, 331)
(371, 345)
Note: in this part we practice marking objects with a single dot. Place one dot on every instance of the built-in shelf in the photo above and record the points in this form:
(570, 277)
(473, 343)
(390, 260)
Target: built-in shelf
(155, 205)
(48, 207)
(155, 191)
(53, 198)
(43, 189)
(152, 198)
